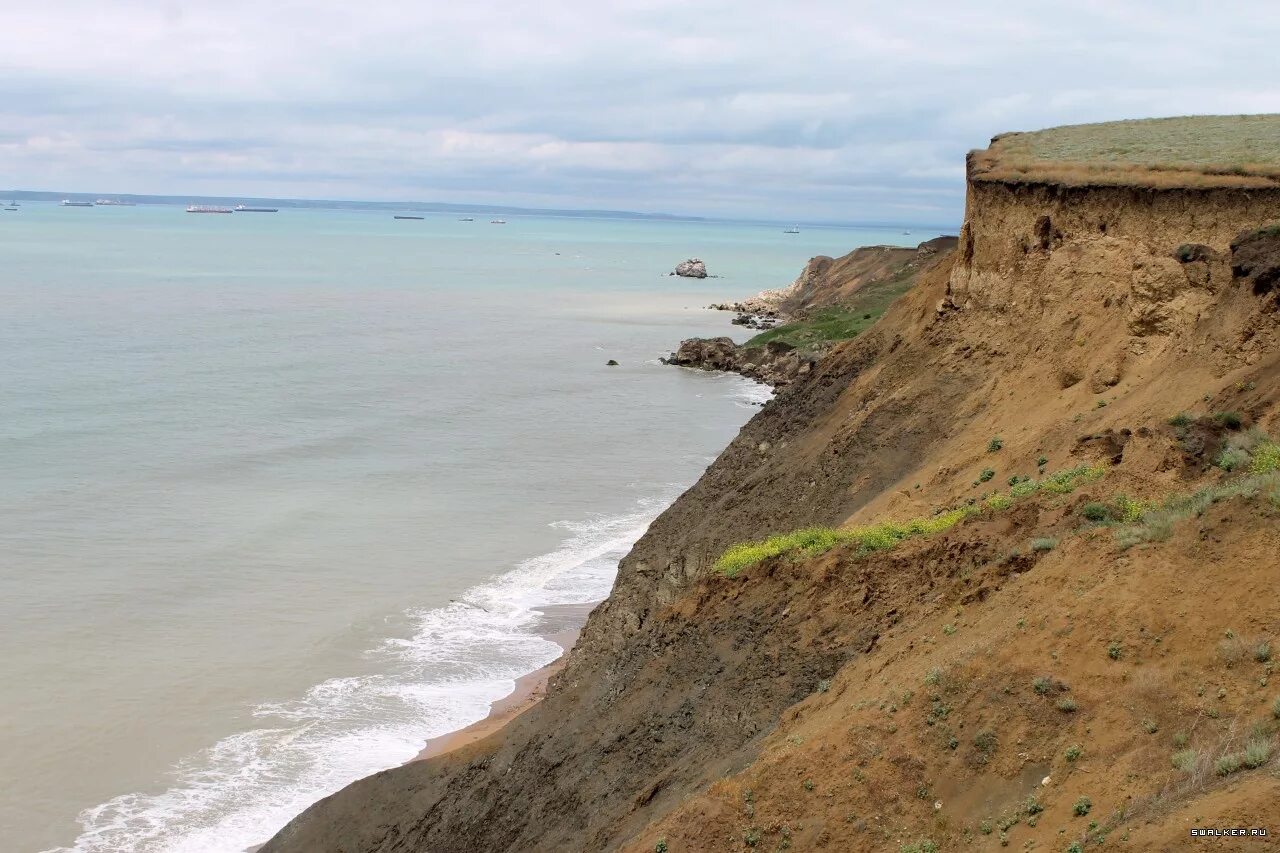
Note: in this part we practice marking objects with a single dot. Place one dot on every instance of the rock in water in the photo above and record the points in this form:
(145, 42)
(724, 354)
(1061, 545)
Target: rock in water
(692, 268)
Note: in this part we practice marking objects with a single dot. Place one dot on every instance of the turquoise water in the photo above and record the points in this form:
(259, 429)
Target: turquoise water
(283, 493)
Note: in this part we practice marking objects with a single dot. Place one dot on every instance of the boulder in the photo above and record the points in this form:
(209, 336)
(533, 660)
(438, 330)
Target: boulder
(692, 268)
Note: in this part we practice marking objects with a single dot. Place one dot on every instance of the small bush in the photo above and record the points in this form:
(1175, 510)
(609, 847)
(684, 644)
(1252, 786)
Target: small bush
(1082, 806)
(922, 846)
(1075, 847)
(1231, 458)
(1068, 705)
(1150, 727)
(824, 685)
(1102, 404)
(1042, 461)
(933, 676)
(1033, 806)
(994, 444)
(1180, 739)
(986, 827)
(1275, 708)
(1180, 420)
(1257, 752)
(1262, 652)
(1114, 651)
(986, 475)
(1044, 543)
(998, 502)
(1227, 764)
(1042, 685)
(1230, 420)
(1073, 752)
(985, 741)
(1185, 760)
(661, 846)
(1095, 511)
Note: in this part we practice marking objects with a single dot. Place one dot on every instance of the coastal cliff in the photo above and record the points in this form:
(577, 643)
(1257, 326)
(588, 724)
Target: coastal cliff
(1006, 519)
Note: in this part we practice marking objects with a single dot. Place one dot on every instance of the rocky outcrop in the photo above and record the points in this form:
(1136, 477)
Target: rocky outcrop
(692, 268)
(775, 363)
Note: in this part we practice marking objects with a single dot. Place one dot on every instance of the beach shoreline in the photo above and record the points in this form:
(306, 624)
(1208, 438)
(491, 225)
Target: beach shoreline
(561, 624)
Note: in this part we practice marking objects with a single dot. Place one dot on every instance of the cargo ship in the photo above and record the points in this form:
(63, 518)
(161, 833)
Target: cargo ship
(207, 208)
(66, 202)
(406, 217)
(112, 202)
(244, 208)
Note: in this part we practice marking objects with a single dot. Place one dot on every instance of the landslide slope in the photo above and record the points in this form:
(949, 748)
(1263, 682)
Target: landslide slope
(863, 699)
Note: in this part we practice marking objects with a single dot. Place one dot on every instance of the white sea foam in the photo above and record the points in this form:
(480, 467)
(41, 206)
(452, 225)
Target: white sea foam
(458, 660)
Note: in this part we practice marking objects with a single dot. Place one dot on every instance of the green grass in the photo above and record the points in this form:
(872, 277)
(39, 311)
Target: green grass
(839, 323)
(812, 541)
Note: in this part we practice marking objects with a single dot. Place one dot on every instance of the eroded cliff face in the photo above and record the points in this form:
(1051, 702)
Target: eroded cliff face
(1072, 324)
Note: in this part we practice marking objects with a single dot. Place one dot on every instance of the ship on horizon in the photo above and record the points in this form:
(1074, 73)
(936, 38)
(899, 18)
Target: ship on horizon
(208, 208)
(244, 208)
(66, 202)
(113, 202)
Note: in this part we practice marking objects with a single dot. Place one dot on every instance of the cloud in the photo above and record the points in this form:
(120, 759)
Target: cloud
(807, 110)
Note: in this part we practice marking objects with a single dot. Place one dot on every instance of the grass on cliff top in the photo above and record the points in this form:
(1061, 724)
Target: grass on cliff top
(813, 541)
(1241, 150)
(841, 322)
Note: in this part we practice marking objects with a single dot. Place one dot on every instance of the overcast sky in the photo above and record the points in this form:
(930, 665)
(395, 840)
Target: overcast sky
(786, 110)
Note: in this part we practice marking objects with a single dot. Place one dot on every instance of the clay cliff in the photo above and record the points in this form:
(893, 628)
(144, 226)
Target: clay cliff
(1025, 592)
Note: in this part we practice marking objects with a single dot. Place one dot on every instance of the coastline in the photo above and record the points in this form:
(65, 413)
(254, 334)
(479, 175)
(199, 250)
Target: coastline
(561, 625)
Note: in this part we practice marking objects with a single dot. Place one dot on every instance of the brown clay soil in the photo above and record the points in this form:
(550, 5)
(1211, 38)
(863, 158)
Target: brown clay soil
(920, 696)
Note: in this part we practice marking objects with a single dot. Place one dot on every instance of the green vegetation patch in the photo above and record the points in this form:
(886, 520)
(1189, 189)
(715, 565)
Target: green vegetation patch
(813, 541)
(840, 323)
(1156, 523)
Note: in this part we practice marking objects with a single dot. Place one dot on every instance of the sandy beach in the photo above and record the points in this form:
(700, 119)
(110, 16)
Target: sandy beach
(561, 625)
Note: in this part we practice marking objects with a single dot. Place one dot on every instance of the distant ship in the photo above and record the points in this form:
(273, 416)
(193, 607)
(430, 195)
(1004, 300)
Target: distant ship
(207, 208)
(240, 208)
(466, 219)
(66, 202)
(112, 202)
(406, 217)
(13, 205)
(497, 222)
(794, 229)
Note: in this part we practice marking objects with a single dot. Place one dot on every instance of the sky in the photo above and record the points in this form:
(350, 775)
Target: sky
(808, 111)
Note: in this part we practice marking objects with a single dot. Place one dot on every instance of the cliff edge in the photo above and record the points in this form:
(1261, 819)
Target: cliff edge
(1008, 576)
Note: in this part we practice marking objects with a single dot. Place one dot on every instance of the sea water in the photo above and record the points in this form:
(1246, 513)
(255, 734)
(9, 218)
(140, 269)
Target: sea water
(283, 494)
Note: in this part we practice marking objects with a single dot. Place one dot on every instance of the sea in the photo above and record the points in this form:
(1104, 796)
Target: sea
(284, 495)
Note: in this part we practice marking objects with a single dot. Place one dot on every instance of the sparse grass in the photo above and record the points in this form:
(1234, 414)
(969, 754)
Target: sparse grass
(933, 677)
(1275, 708)
(1266, 458)
(1262, 652)
(1068, 705)
(1044, 543)
(1188, 151)
(1181, 420)
(985, 741)
(1150, 726)
(1073, 752)
(1156, 523)
(1227, 764)
(1042, 685)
